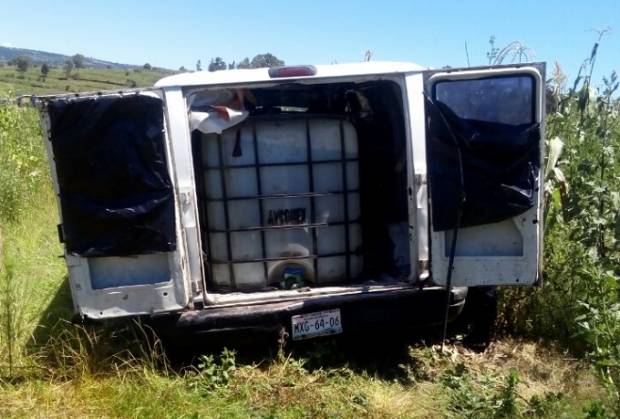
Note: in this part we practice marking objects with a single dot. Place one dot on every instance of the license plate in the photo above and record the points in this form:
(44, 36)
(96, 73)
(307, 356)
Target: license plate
(319, 323)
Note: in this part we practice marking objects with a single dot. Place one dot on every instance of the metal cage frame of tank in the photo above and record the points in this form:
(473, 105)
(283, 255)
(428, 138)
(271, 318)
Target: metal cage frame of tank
(311, 195)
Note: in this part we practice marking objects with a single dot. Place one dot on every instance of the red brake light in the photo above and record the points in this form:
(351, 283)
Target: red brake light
(292, 71)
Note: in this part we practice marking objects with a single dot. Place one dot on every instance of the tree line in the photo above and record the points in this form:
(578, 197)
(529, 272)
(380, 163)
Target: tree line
(77, 61)
(23, 63)
(259, 61)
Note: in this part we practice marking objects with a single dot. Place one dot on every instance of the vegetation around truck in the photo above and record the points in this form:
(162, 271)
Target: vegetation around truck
(557, 352)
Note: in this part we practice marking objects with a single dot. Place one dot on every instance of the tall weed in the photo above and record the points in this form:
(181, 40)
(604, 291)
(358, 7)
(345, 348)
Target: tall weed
(77, 351)
(578, 304)
(22, 161)
(22, 169)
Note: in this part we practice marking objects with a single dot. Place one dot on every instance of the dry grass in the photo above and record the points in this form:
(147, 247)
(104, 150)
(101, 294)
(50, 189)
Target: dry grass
(284, 387)
(542, 368)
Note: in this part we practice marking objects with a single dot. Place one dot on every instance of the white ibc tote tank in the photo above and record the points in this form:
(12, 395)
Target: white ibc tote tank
(282, 203)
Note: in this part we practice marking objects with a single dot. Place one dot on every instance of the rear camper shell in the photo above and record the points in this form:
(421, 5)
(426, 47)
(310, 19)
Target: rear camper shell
(308, 198)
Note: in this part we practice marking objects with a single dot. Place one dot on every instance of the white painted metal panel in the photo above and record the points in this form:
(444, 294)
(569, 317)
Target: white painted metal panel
(205, 78)
(181, 152)
(504, 253)
(108, 287)
(418, 192)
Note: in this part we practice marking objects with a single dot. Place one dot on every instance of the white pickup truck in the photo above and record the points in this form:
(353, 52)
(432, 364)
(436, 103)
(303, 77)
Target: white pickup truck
(319, 199)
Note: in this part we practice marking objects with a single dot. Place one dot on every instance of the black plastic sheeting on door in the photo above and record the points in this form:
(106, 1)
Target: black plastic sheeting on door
(115, 191)
(500, 155)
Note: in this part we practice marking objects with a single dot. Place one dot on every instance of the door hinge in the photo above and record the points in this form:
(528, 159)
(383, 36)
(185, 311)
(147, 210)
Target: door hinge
(423, 270)
(420, 179)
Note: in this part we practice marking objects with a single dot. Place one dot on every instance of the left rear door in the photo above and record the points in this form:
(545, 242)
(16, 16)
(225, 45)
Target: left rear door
(112, 172)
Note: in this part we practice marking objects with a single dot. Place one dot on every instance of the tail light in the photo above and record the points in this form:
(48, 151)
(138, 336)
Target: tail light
(292, 71)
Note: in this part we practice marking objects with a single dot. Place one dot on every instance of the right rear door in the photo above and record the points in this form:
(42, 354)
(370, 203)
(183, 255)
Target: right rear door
(484, 141)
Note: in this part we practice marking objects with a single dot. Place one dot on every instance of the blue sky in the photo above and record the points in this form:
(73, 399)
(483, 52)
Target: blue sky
(432, 33)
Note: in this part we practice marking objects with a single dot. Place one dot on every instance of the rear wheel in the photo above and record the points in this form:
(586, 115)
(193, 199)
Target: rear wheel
(479, 316)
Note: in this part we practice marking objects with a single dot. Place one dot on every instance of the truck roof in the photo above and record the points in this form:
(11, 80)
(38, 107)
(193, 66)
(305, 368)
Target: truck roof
(201, 78)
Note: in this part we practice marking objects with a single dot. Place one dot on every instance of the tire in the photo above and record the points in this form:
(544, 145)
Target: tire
(479, 316)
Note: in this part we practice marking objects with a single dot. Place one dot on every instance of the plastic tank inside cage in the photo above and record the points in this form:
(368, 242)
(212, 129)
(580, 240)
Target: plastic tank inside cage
(282, 205)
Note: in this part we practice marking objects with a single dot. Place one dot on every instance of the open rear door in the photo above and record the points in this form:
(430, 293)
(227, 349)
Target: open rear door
(110, 163)
(484, 142)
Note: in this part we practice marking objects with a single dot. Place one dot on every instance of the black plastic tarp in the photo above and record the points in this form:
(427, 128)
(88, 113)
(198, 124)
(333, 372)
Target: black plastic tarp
(500, 158)
(115, 191)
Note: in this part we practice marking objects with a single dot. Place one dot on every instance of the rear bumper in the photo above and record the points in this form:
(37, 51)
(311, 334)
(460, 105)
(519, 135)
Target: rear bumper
(410, 308)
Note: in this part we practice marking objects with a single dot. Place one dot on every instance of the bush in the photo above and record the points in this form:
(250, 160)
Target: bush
(23, 63)
(68, 68)
(215, 373)
(22, 165)
(600, 329)
(78, 60)
(579, 302)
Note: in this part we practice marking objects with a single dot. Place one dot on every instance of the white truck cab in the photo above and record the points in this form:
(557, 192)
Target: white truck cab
(299, 196)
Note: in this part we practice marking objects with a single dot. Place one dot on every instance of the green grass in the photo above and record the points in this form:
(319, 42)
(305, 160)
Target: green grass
(52, 368)
(60, 370)
(456, 384)
(83, 79)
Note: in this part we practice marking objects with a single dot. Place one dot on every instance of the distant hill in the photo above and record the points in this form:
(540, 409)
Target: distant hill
(54, 59)
(14, 83)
